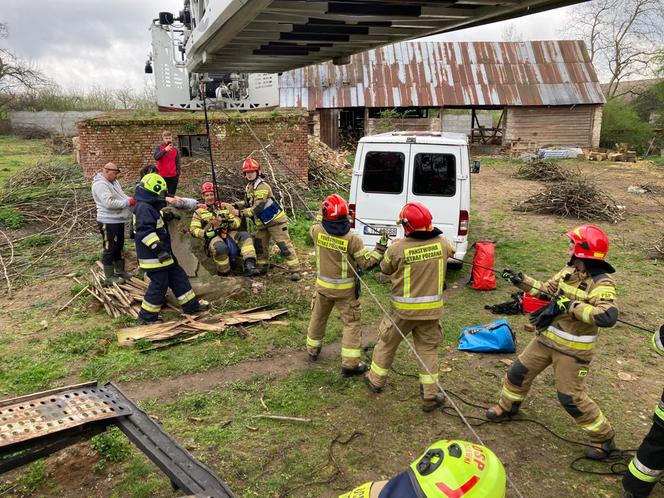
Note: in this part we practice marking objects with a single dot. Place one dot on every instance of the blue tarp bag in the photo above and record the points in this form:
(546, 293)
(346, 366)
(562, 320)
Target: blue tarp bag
(494, 337)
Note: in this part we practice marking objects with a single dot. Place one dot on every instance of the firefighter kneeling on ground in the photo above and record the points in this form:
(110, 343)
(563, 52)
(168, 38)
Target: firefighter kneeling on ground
(337, 249)
(445, 469)
(270, 220)
(417, 265)
(215, 223)
(583, 298)
(647, 467)
(155, 256)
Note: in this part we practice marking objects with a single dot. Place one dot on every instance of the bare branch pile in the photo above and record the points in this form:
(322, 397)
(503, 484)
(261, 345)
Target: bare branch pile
(543, 171)
(325, 164)
(577, 197)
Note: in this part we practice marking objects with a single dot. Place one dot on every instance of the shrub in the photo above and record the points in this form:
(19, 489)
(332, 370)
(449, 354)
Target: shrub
(11, 218)
(622, 124)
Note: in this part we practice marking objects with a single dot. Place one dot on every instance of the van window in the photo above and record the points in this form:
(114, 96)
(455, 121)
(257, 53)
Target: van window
(434, 174)
(383, 172)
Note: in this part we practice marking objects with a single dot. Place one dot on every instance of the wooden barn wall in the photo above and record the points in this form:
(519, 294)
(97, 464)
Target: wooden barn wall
(553, 126)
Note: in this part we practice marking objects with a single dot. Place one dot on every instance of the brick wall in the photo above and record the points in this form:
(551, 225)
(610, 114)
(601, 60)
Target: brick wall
(129, 140)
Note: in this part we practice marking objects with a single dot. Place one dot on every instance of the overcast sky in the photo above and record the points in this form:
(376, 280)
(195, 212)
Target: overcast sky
(83, 44)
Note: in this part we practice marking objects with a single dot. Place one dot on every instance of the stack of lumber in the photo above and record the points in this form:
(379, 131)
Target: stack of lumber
(191, 327)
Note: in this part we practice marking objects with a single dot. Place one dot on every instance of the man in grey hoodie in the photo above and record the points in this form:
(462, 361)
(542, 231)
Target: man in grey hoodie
(113, 211)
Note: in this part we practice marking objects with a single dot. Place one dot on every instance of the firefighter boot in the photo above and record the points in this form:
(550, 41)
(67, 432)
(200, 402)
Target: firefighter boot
(599, 450)
(430, 404)
(313, 353)
(119, 270)
(353, 371)
(250, 269)
(498, 414)
(110, 277)
(373, 388)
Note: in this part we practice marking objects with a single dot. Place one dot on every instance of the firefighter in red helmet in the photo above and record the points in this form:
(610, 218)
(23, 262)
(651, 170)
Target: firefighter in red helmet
(336, 286)
(583, 298)
(417, 265)
(270, 219)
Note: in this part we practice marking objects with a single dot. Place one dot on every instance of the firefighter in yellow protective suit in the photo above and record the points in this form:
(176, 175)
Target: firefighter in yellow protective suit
(447, 469)
(270, 220)
(583, 298)
(336, 287)
(647, 467)
(214, 223)
(417, 265)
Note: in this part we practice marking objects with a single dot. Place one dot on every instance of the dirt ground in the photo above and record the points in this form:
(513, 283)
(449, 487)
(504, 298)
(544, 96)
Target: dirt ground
(536, 462)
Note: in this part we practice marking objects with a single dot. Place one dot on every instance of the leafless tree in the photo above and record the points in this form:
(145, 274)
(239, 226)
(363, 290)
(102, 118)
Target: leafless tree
(16, 75)
(623, 37)
(511, 33)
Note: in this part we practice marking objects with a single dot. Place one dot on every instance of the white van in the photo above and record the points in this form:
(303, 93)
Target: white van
(392, 169)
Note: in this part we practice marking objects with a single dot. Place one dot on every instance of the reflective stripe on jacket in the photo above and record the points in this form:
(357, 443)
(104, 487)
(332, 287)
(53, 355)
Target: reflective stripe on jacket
(418, 273)
(593, 305)
(334, 278)
(258, 197)
(150, 230)
(201, 221)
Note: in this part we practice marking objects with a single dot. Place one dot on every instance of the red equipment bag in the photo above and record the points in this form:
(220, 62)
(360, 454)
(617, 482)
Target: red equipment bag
(483, 278)
(530, 303)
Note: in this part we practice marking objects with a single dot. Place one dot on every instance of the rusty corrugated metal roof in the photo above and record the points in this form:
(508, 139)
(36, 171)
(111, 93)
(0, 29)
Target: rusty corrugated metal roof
(435, 74)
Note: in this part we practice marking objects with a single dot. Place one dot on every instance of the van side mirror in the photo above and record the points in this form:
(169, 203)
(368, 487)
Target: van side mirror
(476, 167)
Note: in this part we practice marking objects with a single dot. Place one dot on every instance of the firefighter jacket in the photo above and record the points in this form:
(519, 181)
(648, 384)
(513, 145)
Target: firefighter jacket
(152, 237)
(201, 221)
(593, 305)
(417, 264)
(259, 204)
(334, 254)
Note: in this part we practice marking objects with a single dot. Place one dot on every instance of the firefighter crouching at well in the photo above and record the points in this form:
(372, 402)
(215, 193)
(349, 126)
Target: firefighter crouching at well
(155, 257)
(647, 467)
(214, 223)
(270, 220)
(337, 249)
(584, 298)
(417, 265)
(445, 469)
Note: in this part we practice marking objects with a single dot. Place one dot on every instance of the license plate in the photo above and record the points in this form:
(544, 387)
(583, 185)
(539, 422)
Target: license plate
(376, 229)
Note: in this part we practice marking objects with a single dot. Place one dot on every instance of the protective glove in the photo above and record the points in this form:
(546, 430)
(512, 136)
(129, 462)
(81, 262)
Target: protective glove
(163, 256)
(512, 276)
(658, 341)
(210, 234)
(131, 201)
(543, 317)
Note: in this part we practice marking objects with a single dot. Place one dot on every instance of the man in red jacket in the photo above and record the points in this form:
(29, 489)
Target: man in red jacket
(168, 162)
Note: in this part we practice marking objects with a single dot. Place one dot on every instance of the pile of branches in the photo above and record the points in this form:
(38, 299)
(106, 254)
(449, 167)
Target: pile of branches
(658, 247)
(53, 204)
(325, 164)
(576, 197)
(60, 144)
(543, 171)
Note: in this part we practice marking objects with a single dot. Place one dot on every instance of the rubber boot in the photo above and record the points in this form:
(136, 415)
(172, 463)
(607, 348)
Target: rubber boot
(313, 355)
(429, 405)
(109, 276)
(372, 388)
(498, 414)
(600, 450)
(250, 269)
(353, 371)
(295, 276)
(119, 269)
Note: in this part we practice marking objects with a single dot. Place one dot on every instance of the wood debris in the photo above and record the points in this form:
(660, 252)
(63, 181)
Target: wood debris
(191, 327)
(542, 170)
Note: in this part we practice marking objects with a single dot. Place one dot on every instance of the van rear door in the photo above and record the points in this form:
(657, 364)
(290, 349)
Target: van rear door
(435, 181)
(381, 189)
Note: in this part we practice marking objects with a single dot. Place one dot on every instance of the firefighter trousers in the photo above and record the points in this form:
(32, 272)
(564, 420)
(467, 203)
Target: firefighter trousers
(427, 336)
(155, 296)
(221, 253)
(647, 467)
(349, 310)
(570, 376)
(277, 231)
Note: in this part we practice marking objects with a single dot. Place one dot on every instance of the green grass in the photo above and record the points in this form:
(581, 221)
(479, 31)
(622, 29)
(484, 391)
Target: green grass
(19, 153)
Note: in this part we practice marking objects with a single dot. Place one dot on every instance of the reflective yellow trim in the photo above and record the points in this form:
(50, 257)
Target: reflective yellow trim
(363, 491)
(423, 253)
(535, 288)
(417, 306)
(152, 308)
(565, 342)
(587, 310)
(160, 223)
(151, 264)
(604, 292)
(331, 242)
(186, 297)
(344, 267)
(387, 258)
(572, 291)
(350, 353)
(596, 424)
(441, 275)
(380, 371)
(428, 379)
(329, 285)
(149, 239)
(376, 255)
(360, 253)
(641, 476)
(406, 281)
(314, 343)
(511, 395)
(659, 413)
